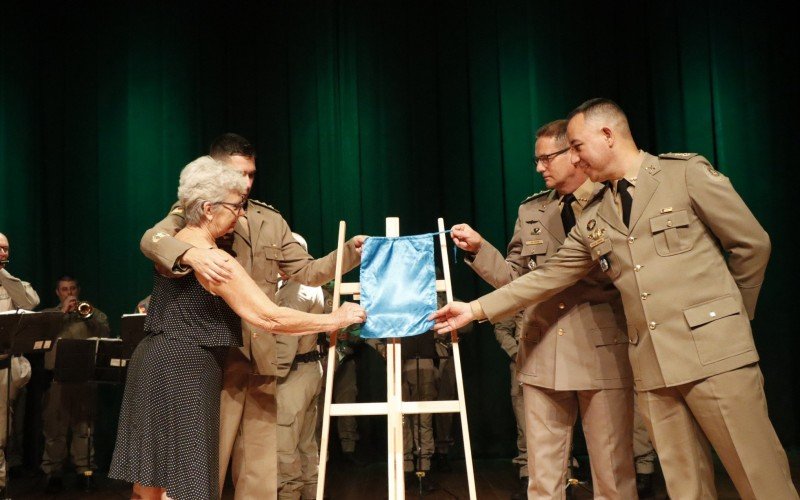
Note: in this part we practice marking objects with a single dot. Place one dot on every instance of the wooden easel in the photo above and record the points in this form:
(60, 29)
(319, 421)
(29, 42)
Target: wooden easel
(394, 408)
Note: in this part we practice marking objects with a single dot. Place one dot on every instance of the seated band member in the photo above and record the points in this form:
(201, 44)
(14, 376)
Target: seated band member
(168, 436)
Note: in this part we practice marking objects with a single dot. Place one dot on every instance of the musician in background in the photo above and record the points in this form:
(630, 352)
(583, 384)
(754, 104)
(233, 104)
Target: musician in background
(14, 294)
(68, 407)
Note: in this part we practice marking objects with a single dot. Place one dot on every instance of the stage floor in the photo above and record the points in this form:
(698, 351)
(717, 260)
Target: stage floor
(495, 480)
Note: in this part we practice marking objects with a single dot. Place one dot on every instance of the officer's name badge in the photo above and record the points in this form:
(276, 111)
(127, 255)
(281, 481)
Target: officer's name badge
(534, 242)
(597, 242)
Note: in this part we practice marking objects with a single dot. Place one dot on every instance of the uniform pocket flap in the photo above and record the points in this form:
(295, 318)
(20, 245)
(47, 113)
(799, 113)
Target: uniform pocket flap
(273, 253)
(711, 311)
(666, 221)
(608, 336)
(534, 246)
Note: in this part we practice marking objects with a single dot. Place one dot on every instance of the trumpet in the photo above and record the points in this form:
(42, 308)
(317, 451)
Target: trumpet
(84, 310)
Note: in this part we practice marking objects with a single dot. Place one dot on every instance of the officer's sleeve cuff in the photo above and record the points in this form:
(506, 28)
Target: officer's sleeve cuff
(477, 311)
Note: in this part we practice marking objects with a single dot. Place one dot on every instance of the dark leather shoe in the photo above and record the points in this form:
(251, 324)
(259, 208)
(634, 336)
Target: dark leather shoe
(350, 457)
(441, 462)
(54, 485)
(86, 482)
(522, 490)
(644, 485)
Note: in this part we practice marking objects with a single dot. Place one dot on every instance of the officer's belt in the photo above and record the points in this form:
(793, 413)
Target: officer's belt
(308, 357)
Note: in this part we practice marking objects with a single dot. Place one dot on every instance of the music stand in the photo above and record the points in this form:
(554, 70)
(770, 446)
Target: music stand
(24, 332)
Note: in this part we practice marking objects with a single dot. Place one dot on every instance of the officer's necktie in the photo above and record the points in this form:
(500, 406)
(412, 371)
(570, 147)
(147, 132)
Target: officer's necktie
(626, 199)
(567, 214)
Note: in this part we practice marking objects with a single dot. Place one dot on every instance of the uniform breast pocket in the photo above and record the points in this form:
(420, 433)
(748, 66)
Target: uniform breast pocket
(534, 251)
(719, 329)
(671, 233)
(267, 263)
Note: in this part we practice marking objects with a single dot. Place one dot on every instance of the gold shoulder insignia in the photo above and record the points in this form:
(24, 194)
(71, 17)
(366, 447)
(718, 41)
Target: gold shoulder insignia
(262, 204)
(677, 156)
(536, 195)
(177, 211)
(159, 235)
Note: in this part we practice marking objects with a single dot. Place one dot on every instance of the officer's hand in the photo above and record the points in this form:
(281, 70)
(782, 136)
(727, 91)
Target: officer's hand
(466, 238)
(212, 265)
(452, 317)
(359, 242)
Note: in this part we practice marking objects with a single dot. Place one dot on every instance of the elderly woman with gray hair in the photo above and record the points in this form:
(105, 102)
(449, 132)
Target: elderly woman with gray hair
(168, 435)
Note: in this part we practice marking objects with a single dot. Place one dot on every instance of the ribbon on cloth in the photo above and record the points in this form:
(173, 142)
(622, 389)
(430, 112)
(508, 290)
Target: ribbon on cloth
(398, 285)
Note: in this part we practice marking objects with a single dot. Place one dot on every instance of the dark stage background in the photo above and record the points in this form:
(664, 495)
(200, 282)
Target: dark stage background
(362, 110)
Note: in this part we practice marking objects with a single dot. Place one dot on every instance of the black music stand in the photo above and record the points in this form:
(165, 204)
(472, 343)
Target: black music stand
(21, 333)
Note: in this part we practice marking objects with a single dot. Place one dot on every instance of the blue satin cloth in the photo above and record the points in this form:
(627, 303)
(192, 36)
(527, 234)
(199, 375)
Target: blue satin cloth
(398, 286)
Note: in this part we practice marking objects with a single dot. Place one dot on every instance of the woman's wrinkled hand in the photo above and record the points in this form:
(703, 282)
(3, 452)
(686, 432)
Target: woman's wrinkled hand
(348, 314)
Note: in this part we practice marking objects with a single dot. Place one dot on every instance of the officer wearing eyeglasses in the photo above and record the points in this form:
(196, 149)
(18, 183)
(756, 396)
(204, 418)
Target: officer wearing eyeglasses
(572, 354)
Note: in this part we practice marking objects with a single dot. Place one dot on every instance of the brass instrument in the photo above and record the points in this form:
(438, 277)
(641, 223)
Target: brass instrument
(84, 310)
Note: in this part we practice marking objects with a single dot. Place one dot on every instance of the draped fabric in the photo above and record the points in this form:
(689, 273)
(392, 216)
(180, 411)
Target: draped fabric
(398, 286)
(360, 110)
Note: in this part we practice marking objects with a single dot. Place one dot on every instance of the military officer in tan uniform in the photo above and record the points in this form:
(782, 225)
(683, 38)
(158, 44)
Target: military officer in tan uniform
(14, 294)
(688, 258)
(69, 406)
(263, 244)
(573, 351)
(299, 384)
(507, 333)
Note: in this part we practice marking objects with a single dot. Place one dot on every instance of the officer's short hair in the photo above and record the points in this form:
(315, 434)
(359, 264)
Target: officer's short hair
(600, 106)
(557, 129)
(206, 180)
(230, 144)
(66, 277)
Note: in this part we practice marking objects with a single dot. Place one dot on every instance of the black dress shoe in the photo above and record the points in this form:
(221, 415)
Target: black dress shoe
(350, 457)
(522, 490)
(644, 485)
(441, 462)
(85, 482)
(54, 485)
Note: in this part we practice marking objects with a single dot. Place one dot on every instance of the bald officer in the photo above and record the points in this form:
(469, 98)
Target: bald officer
(573, 350)
(299, 384)
(263, 244)
(688, 258)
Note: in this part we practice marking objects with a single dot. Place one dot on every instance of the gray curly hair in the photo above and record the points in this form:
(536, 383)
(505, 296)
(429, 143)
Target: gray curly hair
(206, 180)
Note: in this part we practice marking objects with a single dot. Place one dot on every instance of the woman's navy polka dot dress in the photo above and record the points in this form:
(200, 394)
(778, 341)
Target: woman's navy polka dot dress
(168, 433)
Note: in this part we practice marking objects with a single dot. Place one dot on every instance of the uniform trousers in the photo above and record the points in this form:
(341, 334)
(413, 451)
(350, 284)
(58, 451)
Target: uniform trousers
(518, 405)
(445, 391)
(248, 430)
(68, 408)
(728, 410)
(419, 384)
(298, 451)
(644, 455)
(607, 418)
(345, 390)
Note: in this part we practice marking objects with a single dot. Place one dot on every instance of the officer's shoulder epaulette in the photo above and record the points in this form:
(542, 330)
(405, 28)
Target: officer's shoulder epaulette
(262, 204)
(536, 195)
(677, 156)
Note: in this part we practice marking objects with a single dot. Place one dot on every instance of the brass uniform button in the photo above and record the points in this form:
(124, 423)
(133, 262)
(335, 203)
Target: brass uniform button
(562, 305)
(652, 325)
(644, 295)
(561, 331)
(631, 239)
(637, 267)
